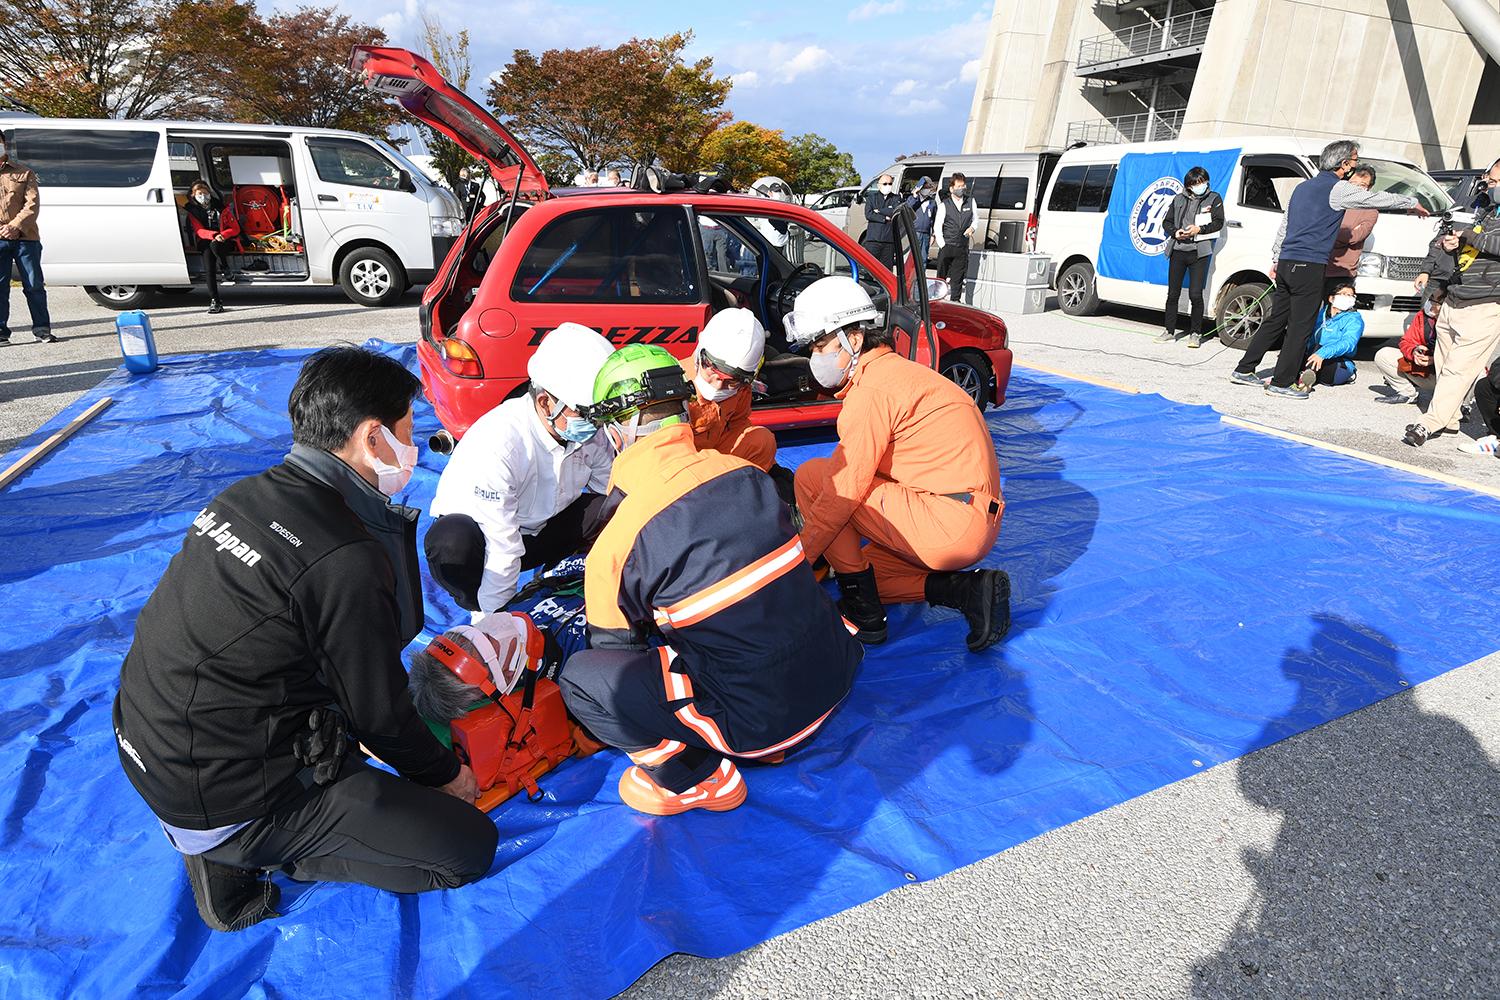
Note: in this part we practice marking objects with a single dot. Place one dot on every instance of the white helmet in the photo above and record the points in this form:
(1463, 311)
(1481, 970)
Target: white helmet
(828, 305)
(734, 342)
(566, 363)
(772, 187)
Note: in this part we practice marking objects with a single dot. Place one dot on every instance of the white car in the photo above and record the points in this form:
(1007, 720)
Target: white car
(834, 205)
(1101, 226)
(317, 206)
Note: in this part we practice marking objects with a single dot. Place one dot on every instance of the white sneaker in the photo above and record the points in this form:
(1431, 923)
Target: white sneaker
(1487, 445)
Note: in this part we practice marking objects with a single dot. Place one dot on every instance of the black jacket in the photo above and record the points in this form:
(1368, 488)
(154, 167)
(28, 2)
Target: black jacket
(1183, 212)
(284, 597)
(1472, 273)
(880, 209)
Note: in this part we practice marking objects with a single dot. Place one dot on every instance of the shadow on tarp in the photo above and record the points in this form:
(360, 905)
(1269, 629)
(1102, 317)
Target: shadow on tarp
(1162, 564)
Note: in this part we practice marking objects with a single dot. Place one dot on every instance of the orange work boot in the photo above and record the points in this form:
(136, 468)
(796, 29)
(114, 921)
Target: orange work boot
(720, 792)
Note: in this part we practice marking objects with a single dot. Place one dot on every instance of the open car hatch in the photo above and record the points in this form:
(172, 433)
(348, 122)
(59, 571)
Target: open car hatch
(420, 89)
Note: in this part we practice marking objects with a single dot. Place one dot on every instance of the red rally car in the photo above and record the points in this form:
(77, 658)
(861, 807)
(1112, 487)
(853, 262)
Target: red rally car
(647, 267)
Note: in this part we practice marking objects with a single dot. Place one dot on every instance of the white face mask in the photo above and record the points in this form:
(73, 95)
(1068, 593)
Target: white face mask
(886, 188)
(1431, 308)
(393, 478)
(826, 370)
(202, 199)
(1198, 190)
(707, 390)
(1343, 303)
(623, 435)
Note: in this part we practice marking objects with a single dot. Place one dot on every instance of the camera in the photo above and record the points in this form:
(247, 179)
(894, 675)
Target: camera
(1452, 220)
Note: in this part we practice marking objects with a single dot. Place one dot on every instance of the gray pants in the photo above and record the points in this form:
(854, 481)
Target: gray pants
(1386, 360)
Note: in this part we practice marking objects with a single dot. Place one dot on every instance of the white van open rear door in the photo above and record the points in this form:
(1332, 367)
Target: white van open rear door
(108, 215)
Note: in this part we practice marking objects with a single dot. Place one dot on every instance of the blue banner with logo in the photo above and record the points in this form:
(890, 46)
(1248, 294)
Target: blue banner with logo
(1134, 246)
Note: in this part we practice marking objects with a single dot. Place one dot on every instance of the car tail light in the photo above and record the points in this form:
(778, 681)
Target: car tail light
(1028, 245)
(459, 358)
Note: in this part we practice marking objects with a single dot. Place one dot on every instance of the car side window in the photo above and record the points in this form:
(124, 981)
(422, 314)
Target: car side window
(1066, 189)
(106, 158)
(1011, 193)
(618, 254)
(1098, 182)
(346, 161)
(1262, 184)
(808, 246)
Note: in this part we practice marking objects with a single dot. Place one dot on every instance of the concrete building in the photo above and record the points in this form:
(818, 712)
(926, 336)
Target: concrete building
(1402, 75)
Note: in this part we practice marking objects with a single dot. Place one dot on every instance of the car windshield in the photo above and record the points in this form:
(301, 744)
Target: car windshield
(1403, 178)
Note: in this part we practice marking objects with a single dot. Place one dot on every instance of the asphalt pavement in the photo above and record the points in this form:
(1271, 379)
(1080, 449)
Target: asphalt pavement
(1358, 859)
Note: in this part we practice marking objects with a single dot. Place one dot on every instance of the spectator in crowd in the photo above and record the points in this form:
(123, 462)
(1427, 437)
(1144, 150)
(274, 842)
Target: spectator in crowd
(1407, 369)
(1330, 349)
(1194, 218)
(21, 245)
(612, 179)
(715, 244)
(881, 207)
(1487, 401)
(954, 227)
(1468, 325)
(1299, 259)
(923, 202)
(590, 178)
(214, 227)
(1354, 230)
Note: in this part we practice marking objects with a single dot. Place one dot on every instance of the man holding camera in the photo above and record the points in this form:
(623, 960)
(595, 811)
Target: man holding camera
(1468, 325)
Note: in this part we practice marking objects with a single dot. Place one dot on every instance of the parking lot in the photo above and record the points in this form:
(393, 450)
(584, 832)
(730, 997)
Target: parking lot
(1221, 885)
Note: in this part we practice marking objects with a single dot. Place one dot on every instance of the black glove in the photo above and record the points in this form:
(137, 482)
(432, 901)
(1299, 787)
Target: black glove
(322, 745)
(784, 481)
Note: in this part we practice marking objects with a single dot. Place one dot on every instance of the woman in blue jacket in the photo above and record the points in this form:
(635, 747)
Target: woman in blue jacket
(1330, 349)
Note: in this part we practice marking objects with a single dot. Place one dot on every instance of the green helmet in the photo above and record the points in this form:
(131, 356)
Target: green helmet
(635, 376)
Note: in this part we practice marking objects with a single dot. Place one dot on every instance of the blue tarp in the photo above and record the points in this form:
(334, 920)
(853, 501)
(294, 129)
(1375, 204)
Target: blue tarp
(1185, 592)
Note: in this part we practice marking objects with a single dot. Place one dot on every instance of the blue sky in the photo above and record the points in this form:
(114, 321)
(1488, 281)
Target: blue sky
(878, 77)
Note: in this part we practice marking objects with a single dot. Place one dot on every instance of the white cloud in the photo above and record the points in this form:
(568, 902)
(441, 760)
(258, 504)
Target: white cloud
(875, 8)
(904, 87)
(970, 72)
(749, 78)
(919, 106)
(809, 59)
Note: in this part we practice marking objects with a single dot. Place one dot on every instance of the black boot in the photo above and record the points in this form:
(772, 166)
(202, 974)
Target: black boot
(983, 595)
(215, 307)
(228, 898)
(860, 604)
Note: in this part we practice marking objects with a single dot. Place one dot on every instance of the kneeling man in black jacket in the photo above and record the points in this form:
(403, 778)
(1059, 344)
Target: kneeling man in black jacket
(272, 647)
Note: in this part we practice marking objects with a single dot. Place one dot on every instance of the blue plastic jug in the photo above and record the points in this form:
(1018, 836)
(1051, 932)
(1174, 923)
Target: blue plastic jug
(137, 344)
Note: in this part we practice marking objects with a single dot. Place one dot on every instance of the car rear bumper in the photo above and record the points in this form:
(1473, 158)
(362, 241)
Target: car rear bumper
(1001, 360)
(459, 402)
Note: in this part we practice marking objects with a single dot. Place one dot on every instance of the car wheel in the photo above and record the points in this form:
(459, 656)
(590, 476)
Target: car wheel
(1077, 293)
(1241, 312)
(120, 297)
(970, 371)
(372, 277)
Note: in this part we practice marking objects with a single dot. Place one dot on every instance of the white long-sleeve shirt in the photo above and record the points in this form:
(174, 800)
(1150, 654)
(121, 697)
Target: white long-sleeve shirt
(512, 477)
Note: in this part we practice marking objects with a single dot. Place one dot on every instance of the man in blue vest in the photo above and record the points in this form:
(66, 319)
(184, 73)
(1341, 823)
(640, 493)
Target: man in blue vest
(1299, 259)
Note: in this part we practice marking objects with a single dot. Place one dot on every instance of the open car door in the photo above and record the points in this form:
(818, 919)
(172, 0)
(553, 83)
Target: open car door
(911, 310)
(422, 92)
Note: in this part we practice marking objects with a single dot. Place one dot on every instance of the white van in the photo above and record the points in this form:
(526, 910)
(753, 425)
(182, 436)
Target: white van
(317, 206)
(1101, 226)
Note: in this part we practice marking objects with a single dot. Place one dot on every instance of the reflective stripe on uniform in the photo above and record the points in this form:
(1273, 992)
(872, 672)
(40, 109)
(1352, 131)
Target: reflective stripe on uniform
(733, 588)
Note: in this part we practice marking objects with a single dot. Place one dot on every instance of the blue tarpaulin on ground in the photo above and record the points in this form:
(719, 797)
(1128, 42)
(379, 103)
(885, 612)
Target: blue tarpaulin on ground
(1185, 592)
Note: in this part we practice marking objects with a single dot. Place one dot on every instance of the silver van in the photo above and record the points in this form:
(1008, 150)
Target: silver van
(1007, 190)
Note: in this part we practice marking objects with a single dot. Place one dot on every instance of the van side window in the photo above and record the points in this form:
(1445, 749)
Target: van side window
(86, 157)
(1259, 187)
(982, 190)
(612, 254)
(1011, 193)
(347, 161)
(1098, 182)
(1066, 189)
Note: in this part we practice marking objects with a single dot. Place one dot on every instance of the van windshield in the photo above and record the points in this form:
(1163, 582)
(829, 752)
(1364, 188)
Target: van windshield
(1403, 178)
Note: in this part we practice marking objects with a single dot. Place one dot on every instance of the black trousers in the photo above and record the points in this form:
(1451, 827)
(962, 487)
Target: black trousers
(884, 251)
(373, 828)
(455, 546)
(953, 267)
(215, 256)
(1487, 398)
(1195, 269)
(1294, 310)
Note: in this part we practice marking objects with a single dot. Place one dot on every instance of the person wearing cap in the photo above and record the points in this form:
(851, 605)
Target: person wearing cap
(723, 369)
(512, 496)
(701, 553)
(914, 474)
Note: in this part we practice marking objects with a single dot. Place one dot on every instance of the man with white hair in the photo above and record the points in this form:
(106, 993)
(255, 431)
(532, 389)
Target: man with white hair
(512, 496)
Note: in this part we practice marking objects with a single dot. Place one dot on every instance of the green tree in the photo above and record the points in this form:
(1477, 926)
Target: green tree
(449, 53)
(599, 106)
(743, 151)
(817, 164)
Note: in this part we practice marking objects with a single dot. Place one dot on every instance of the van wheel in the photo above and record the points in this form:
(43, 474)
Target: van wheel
(970, 371)
(372, 277)
(120, 297)
(1242, 310)
(1077, 293)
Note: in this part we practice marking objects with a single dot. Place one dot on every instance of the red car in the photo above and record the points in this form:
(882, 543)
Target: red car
(644, 267)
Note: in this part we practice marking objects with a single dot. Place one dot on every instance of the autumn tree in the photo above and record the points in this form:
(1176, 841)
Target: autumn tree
(449, 53)
(817, 164)
(118, 58)
(297, 73)
(743, 151)
(599, 106)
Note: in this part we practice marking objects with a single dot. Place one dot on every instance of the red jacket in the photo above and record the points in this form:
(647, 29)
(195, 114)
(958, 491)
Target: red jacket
(1419, 333)
(200, 220)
